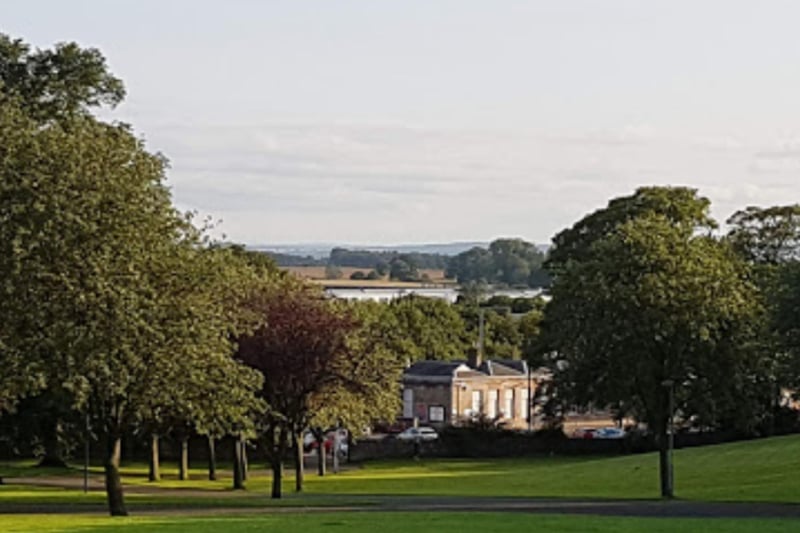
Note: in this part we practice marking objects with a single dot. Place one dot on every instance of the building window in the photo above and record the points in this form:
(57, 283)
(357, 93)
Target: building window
(508, 404)
(492, 404)
(408, 403)
(477, 402)
(436, 413)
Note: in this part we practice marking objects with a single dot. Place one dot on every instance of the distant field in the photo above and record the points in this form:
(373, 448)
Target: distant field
(317, 273)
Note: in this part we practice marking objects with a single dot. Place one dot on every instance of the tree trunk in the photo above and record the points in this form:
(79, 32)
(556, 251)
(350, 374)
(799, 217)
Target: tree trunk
(321, 457)
(299, 467)
(155, 462)
(245, 464)
(212, 459)
(238, 464)
(277, 473)
(116, 500)
(183, 467)
(53, 452)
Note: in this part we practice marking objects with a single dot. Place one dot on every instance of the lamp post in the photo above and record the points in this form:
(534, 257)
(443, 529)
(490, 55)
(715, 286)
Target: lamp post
(86, 454)
(668, 483)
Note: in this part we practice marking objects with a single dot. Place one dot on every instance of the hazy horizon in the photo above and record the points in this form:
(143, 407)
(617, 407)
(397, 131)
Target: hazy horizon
(435, 122)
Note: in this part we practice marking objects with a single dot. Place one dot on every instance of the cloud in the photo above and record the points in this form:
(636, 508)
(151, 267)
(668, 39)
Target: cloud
(286, 181)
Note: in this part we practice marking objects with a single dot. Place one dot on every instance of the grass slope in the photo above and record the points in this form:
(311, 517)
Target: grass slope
(388, 523)
(763, 470)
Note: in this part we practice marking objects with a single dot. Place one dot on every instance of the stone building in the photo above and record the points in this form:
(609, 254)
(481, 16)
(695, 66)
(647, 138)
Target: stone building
(441, 393)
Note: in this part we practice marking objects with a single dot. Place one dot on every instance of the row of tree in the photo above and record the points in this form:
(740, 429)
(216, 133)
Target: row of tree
(115, 308)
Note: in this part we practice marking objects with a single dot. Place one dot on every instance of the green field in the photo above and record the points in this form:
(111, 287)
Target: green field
(754, 471)
(763, 470)
(389, 523)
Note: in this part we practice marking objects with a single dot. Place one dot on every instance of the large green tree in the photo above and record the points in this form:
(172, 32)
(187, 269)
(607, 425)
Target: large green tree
(768, 239)
(652, 307)
(680, 205)
(59, 83)
(420, 328)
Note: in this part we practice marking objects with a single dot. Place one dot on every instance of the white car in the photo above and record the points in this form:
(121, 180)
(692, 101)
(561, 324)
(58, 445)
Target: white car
(421, 433)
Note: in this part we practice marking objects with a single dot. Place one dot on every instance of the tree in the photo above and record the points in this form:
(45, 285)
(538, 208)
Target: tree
(649, 308)
(766, 236)
(358, 275)
(418, 328)
(298, 349)
(59, 83)
(110, 299)
(403, 268)
(369, 385)
(509, 262)
(680, 205)
(768, 239)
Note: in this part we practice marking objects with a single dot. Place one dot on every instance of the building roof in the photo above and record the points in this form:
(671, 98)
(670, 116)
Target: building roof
(447, 370)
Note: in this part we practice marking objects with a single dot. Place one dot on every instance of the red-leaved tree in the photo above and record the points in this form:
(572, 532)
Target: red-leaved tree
(300, 349)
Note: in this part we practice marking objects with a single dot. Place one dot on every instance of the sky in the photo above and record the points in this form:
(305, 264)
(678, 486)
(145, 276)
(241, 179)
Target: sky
(410, 121)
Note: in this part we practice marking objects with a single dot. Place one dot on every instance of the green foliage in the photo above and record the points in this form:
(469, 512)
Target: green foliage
(419, 328)
(369, 389)
(679, 205)
(56, 84)
(358, 275)
(769, 236)
(652, 302)
(510, 262)
(403, 268)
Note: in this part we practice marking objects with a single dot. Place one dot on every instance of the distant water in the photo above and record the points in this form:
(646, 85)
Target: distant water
(450, 295)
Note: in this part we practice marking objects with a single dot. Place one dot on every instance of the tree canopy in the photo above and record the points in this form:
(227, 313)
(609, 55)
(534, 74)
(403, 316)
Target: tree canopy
(510, 262)
(651, 305)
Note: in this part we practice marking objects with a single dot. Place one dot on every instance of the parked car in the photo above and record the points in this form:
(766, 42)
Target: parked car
(584, 433)
(420, 433)
(310, 442)
(609, 433)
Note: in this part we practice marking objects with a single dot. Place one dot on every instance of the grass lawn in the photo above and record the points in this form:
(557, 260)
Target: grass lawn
(388, 523)
(762, 470)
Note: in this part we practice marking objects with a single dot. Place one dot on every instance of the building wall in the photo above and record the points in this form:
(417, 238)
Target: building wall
(492, 390)
(431, 402)
(441, 404)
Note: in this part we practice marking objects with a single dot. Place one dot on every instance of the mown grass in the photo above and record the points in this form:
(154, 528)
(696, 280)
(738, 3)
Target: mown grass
(388, 523)
(762, 470)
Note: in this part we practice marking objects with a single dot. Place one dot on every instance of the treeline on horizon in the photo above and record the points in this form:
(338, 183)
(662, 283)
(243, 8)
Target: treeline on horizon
(505, 262)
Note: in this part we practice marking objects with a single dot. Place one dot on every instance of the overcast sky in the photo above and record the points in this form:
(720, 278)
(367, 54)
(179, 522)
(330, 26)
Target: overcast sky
(420, 121)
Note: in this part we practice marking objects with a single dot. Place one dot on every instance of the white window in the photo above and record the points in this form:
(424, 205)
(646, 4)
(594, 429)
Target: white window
(508, 404)
(492, 404)
(477, 402)
(436, 413)
(408, 403)
(525, 404)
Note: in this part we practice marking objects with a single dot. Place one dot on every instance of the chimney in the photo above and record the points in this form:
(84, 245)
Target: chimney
(476, 354)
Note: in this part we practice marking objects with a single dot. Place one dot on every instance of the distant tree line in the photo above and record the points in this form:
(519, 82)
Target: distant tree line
(509, 262)
(287, 260)
(506, 262)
